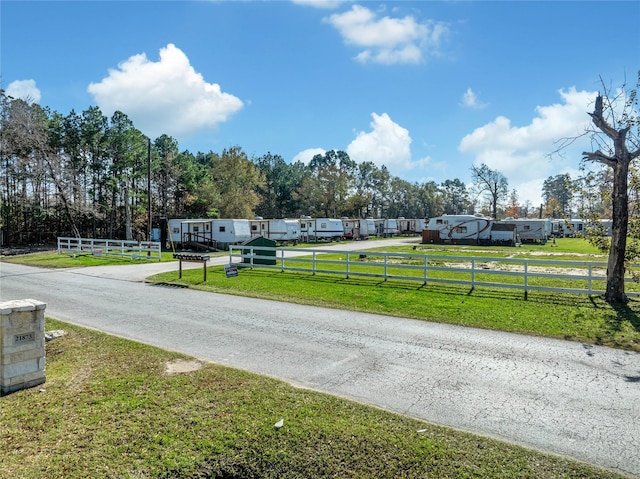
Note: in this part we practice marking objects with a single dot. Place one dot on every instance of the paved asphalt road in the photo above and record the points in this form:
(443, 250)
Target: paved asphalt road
(567, 398)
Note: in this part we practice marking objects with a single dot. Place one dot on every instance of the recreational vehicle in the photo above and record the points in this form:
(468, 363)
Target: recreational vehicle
(502, 234)
(367, 228)
(226, 232)
(188, 232)
(390, 227)
(351, 228)
(406, 226)
(284, 231)
(421, 225)
(259, 227)
(531, 230)
(314, 229)
(458, 229)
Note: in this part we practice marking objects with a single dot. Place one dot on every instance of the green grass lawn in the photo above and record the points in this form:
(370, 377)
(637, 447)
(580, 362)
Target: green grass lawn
(69, 260)
(575, 317)
(111, 409)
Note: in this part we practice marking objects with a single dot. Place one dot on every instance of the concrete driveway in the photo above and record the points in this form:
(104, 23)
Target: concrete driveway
(562, 397)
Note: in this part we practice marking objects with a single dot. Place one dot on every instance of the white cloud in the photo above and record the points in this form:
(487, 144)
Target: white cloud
(470, 100)
(24, 90)
(521, 153)
(388, 40)
(386, 144)
(307, 155)
(167, 96)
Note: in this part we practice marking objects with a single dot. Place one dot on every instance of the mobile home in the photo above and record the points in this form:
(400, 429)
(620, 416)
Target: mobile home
(259, 227)
(351, 228)
(283, 230)
(531, 230)
(367, 228)
(314, 229)
(406, 226)
(187, 231)
(226, 232)
(390, 227)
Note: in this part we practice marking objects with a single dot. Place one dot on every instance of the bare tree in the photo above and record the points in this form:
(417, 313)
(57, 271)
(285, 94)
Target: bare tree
(614, 138)
(491, 182)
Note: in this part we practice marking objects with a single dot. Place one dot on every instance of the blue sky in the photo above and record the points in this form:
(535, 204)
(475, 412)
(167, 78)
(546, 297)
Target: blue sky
(427, 88)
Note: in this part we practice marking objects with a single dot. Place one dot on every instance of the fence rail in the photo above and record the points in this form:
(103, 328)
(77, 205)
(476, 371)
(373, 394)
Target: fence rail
(134, 249)
(577, 277)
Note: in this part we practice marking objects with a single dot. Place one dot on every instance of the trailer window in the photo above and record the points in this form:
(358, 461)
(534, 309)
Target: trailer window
(461, 229)
(222, 229)
(323, 225)
(527, 227)
(254, 227)
(176, 230)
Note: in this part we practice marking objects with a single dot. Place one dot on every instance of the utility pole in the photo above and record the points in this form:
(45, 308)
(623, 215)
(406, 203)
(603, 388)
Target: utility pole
(149, 189)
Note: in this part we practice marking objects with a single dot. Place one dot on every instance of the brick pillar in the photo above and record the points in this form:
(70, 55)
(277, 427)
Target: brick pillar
(22, 345)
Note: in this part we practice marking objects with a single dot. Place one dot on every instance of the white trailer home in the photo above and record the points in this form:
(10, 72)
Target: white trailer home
(226, 232)
(351, 228)
(367, 228)
(458, 229)
(390, 227)
(259, 227)
(503, 234)
(406, 226)
(531, 230)
(184, 232)
(314, 229)
(421, 225)
(358, 228)
(285, 230)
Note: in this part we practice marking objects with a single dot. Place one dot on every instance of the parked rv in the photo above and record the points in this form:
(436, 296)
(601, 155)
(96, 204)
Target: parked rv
(459, 229)
(367, 228)
(285, 230)
(314, 229)
(390, 227)
(531, 230)
(188, 232)
(226, 232)
(351, 228)
(421, 225)
(406, 226)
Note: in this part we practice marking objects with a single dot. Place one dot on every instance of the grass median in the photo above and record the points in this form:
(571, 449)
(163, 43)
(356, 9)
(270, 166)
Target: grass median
(573, 317)
(116, 408)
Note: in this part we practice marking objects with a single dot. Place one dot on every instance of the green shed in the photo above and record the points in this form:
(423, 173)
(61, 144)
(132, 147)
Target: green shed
(260, 241)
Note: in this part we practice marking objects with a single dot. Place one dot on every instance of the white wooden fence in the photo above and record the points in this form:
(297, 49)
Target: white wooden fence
(578, 277)
(134, 249)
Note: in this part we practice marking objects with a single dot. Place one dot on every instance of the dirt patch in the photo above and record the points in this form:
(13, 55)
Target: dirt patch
(182, 366)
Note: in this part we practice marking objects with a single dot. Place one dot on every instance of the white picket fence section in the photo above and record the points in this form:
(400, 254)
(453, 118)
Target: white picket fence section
(584, 277)
(150, 250)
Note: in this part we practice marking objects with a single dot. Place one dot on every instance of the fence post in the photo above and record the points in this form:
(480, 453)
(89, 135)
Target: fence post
(347, 265)
(526, 279)
(314, 263)
(590, 270)
(473, 274)
(282, 255)
(426, 261)
(386, 262)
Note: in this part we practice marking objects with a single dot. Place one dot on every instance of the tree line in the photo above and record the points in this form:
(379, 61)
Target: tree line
(89, 175)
